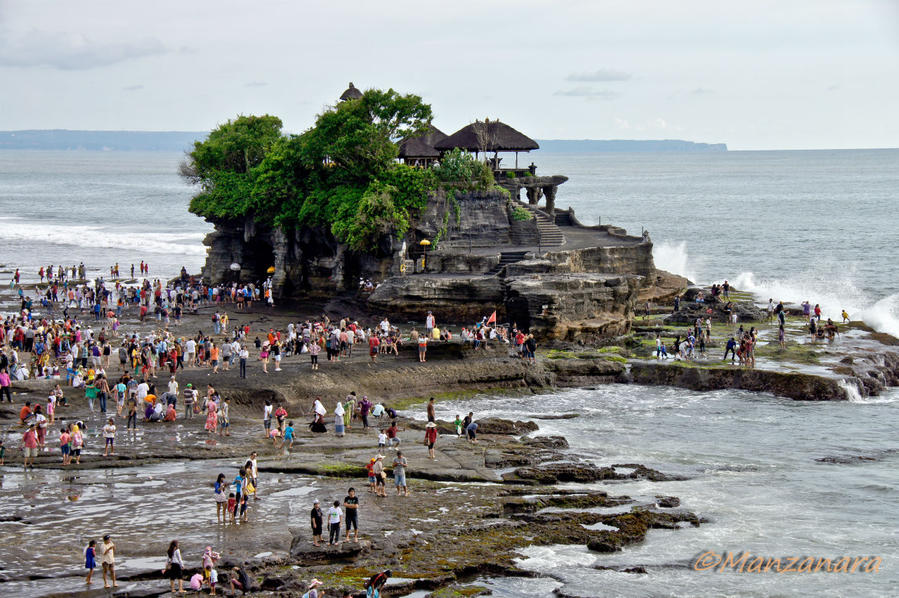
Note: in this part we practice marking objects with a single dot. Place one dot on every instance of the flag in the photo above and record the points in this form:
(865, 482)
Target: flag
(492, 318)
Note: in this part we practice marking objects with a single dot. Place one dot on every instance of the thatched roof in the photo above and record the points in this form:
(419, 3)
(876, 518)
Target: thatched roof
(351, 93)
(490, 136)
(422, 146)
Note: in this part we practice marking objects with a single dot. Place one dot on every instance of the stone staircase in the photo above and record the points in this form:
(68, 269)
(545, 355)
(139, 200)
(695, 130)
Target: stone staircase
(550, 234)
(506, 258)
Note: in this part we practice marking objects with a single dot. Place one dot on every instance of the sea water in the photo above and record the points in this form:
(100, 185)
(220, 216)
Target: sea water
(774, 477)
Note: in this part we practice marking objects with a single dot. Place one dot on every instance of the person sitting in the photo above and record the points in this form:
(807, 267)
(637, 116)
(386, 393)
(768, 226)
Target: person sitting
(170, 413)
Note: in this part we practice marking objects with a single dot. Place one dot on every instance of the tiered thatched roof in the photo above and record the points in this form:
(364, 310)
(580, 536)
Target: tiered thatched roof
(488, 136)
(423, 146)
(351, 93)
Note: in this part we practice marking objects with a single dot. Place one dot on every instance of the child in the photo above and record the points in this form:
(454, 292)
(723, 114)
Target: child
(371, 475)
(213, 579)
(232, 506)
(458, 424)
(64, 439)
(334, 516)
(382, 440)
(109, 435)
(51, 408)
(89, 560)
(288, 436)
(243, 507)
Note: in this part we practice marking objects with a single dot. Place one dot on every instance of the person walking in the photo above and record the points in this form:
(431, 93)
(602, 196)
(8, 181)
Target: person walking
(90, 560)
(175, 567)
(108, 561)
(221, 499)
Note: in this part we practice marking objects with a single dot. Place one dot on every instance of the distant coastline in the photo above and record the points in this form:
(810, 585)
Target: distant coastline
(72, 140)
(627, 145)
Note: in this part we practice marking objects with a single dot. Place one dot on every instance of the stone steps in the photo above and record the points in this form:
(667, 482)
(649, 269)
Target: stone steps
(550, 234)
(506, 258)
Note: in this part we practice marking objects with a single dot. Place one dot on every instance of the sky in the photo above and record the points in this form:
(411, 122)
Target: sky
(766, 74)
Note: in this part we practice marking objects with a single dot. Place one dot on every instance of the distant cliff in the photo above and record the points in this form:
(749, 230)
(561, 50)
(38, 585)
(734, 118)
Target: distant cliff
(64, 139)
(627, 145)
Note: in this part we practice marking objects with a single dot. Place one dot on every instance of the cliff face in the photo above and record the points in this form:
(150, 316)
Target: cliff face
(567, 282)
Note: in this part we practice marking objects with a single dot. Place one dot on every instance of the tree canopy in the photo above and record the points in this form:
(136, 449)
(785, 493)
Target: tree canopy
(341, 173)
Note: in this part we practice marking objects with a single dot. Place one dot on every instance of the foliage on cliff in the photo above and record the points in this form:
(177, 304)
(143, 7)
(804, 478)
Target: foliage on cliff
(341, 173)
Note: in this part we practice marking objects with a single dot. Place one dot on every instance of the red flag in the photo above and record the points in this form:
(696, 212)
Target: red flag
(492, 318)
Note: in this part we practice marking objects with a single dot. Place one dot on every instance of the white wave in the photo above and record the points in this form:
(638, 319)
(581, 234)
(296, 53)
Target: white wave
(673, 257)
(834, 294)
(95, 236)
(851, 390)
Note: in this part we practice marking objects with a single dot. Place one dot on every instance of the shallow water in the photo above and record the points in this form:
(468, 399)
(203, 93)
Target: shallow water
(752, 469)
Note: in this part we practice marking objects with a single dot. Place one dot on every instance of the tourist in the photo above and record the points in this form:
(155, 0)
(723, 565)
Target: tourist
(77, 443)
(458, 425)
(211, 415)
(376, 583)
(267, 417)
(399, 474)
(351, 504)
(240, 581)
(729, 348)
(339, 413)
(232, 507)
(380, 475)
(221, 498)
(781, 337)
(364, 408)
(225, 417)
(90, 560)
(288, 437)
(349, 410)
(252, 468)
(382, 441)
(432, 413)
(334, 517)
(239, 482)
(131, 409)
(844, 314)
(373, 347)
(5, 385)
(109, 436)
(190, 399)
(314, 350)
(65, 447)
(29, 446)
(392, 437)
(431, 439)
(263, 356)
(174, 568)
(311, 591)
(281, 417)
(472, 430)
(422, 348)
(244, 354)
(108, 561)
(316, 522)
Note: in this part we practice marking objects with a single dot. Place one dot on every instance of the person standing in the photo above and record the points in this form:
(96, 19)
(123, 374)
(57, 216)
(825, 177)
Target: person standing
(175, 567)
(108, 561)
(109, 436)
(430, 323)
(422, 348)
(432, 414)
(267, 417)
(399, 474)
(334, 517)
(338, 419)
(316, 520)
(351, 504)
(90, 560)
(243, 355)
(29, 446)
(253, 473)
(431, 439)
(5, 384)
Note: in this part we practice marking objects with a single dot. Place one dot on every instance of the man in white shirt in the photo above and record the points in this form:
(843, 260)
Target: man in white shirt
(143, 389)
(173, 386)
(190, 352)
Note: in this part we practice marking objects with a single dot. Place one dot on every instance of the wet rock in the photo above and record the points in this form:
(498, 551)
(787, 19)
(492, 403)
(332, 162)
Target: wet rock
(667, 502)
(303, 550)
(494, 425)
(580, 472)
(547, 442)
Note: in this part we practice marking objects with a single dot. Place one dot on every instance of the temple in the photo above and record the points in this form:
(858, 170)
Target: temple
(469, 252)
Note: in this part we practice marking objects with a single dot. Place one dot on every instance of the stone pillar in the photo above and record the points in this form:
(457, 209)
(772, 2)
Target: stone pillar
(534, 194)
(550, 193)
(337, 271)
(280, 250)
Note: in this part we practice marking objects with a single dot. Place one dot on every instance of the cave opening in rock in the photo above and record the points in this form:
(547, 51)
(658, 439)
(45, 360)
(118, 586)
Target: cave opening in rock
(258, 257)
(519, 313)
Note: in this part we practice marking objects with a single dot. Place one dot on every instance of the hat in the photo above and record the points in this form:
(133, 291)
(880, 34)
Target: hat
(380, 456)
(431, 425)
(373, 459)
(189, 385)
(316, 502)
(314, 583)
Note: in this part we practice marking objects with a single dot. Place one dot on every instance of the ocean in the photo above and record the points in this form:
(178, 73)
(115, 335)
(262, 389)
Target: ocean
(789, 225)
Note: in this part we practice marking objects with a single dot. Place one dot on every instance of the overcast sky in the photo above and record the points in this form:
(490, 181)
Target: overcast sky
(756, 75)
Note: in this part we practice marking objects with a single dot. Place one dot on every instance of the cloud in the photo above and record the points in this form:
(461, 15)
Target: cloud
(702, 91)
(132, 87)
(589, 92)
(255, 84)
(72, 51)
(600, 76)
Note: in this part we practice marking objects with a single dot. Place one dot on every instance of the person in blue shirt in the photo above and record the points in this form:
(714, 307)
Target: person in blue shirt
(288, 436)
(238, 483)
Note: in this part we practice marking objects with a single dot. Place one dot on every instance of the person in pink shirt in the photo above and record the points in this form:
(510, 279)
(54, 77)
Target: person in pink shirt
(29, 445)
(4, 386)
(64, 439)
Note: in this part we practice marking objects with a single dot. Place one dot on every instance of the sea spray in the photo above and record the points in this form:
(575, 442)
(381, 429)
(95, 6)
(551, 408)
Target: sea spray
(833, 293)
(673, 257)
(851, 390)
